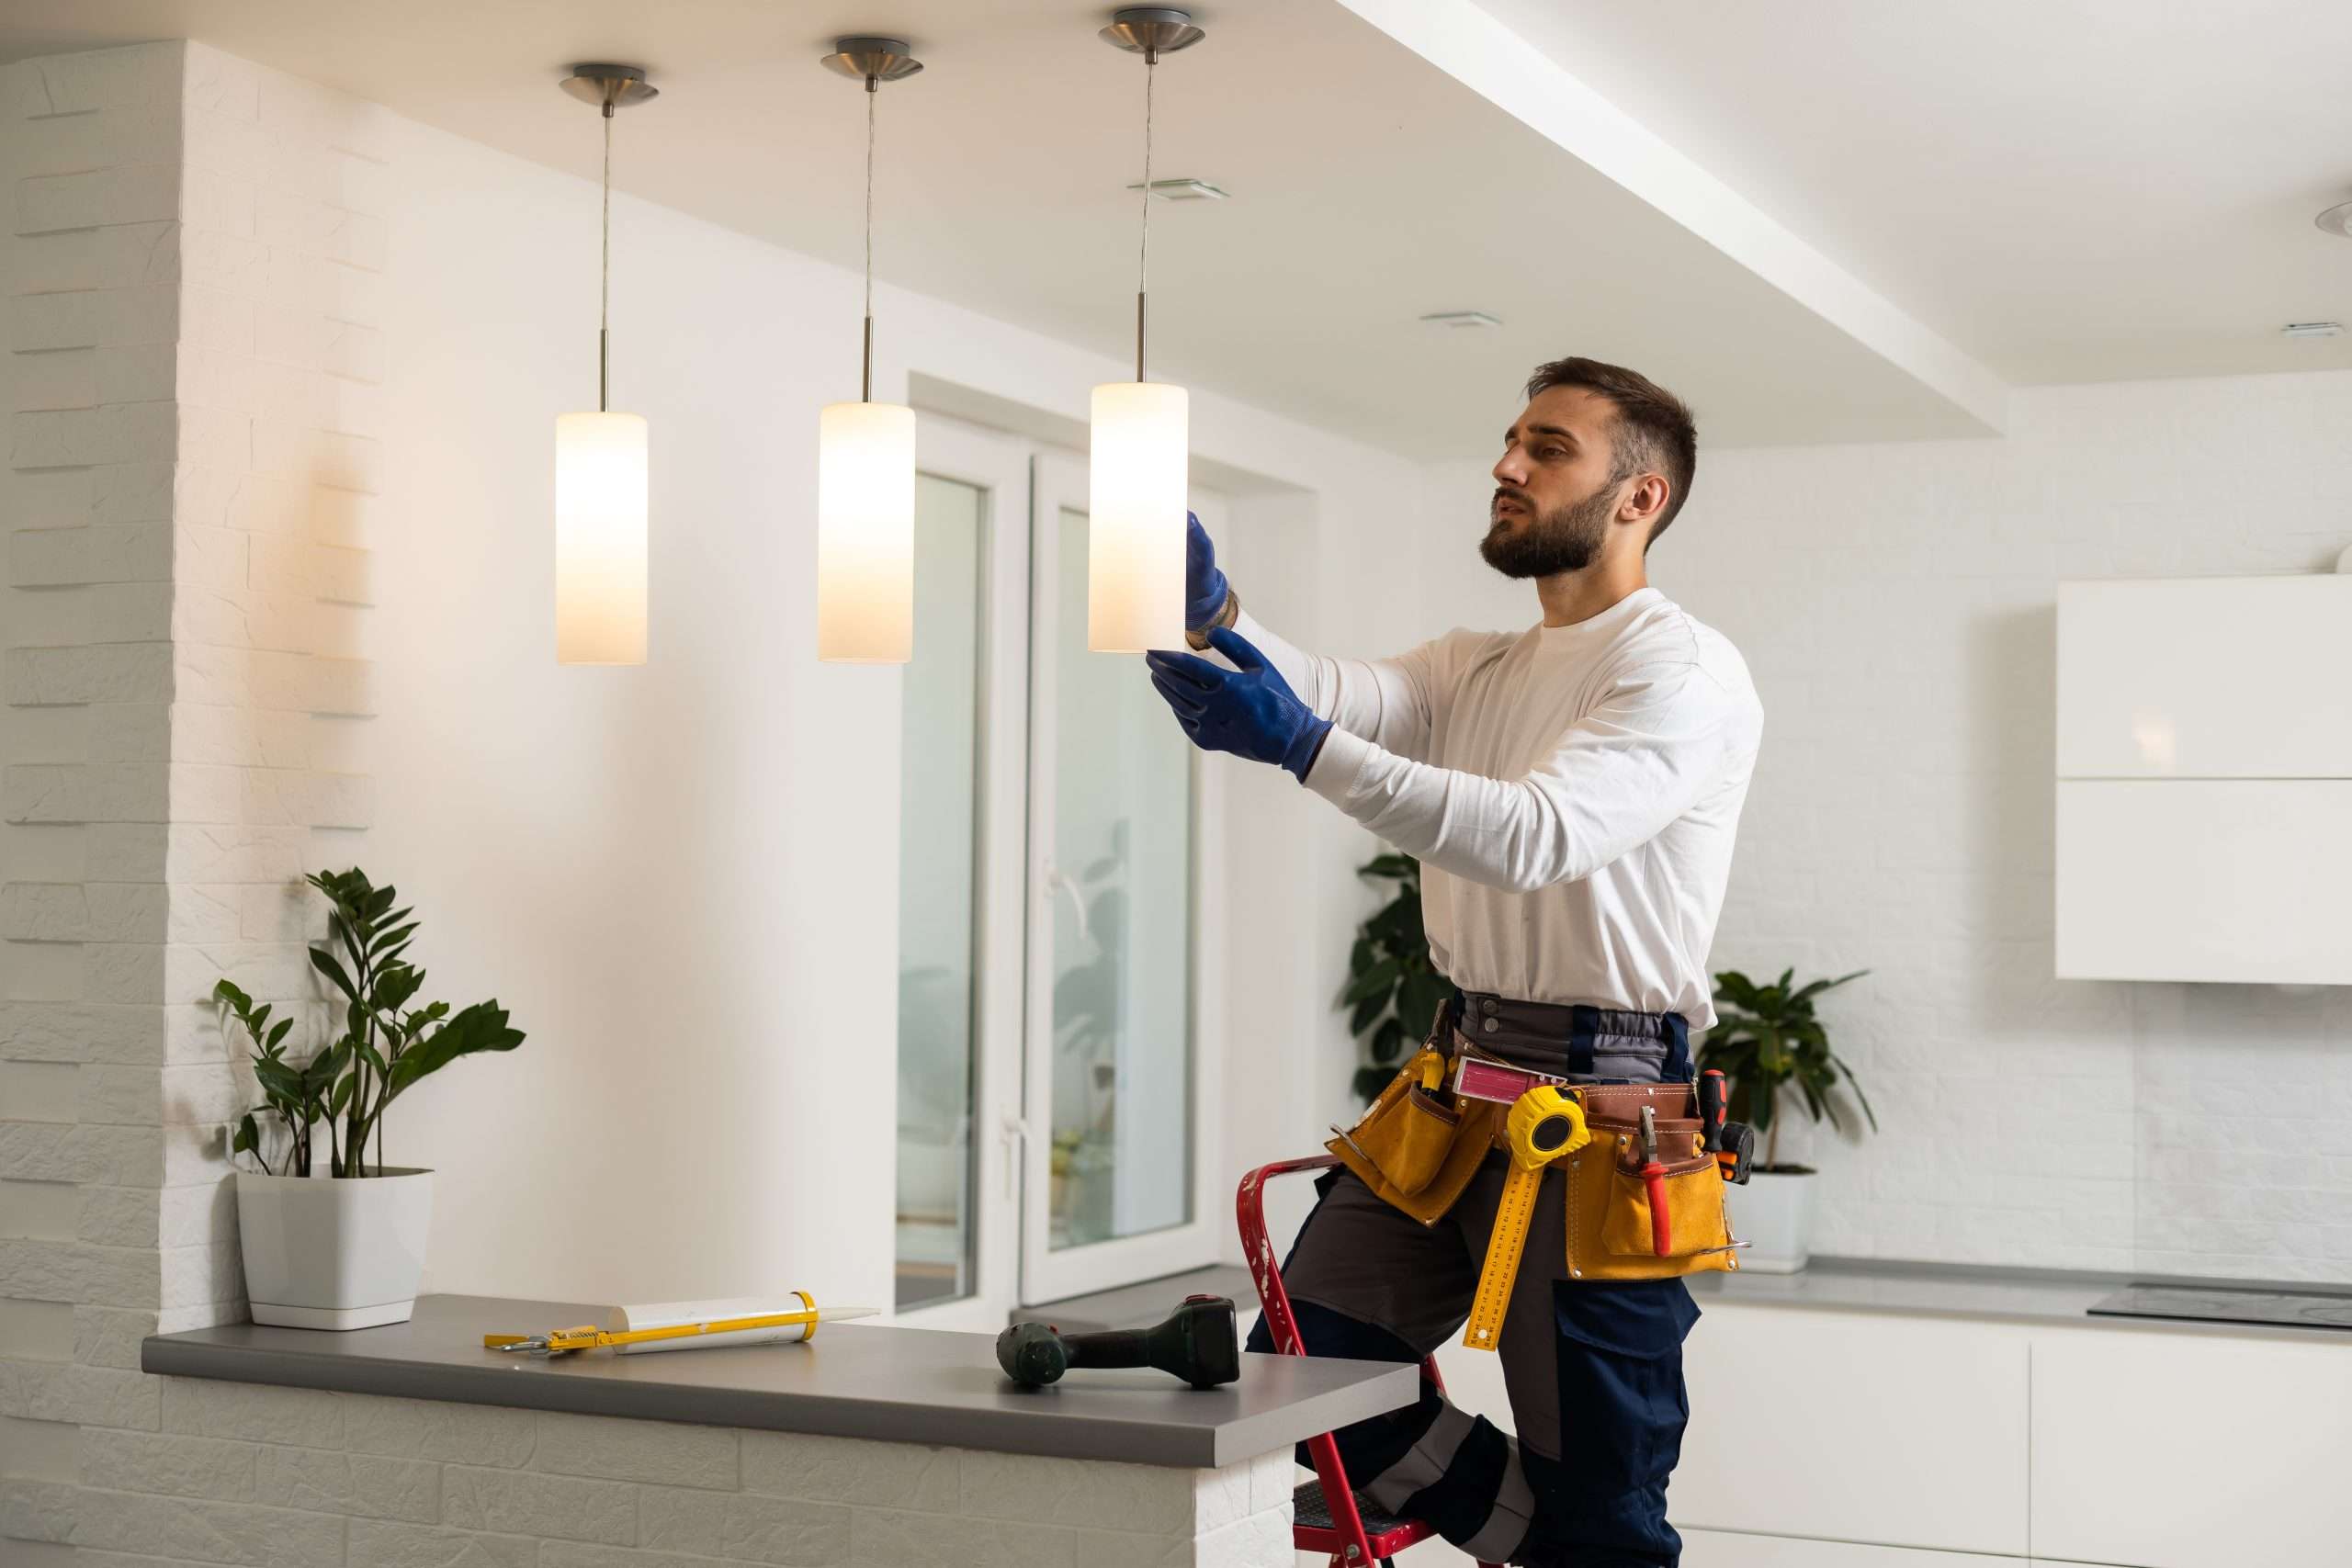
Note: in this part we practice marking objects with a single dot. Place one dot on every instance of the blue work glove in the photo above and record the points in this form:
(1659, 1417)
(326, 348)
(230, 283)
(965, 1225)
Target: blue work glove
(1205, 585)
(1250, 711)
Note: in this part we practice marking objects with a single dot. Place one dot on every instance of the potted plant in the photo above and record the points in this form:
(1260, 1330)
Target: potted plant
(1767, 1041)
(345, 1250)
(1393, 989)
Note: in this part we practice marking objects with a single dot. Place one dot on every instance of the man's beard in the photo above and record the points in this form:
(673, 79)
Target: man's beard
(1566, 540)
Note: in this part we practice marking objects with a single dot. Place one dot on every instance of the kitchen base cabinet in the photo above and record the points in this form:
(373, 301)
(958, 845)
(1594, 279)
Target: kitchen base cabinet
(1852, 1427)
(2179, 1450)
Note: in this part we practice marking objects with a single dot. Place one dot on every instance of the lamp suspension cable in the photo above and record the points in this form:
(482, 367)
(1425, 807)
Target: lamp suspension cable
(1142, 257)
(605, 285)
(865, 376)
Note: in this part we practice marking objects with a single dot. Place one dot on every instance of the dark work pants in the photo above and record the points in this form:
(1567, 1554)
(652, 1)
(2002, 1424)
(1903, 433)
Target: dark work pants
(1595, 1375)
(1594, 1370)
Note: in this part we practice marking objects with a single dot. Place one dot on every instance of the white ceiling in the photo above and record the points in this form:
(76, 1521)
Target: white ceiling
(1368, 189)
(2032, 192)
(2070, 191)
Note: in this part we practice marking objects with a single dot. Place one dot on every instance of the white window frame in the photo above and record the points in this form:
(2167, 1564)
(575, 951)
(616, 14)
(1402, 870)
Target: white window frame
(998, 465)
(1057, 480)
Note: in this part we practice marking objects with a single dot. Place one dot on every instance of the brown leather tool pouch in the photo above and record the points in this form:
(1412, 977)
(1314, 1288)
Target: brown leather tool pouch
(1610, 1231)
(1415, 1151)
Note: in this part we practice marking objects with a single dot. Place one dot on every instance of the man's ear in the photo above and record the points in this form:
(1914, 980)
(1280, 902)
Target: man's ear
(1645, 499)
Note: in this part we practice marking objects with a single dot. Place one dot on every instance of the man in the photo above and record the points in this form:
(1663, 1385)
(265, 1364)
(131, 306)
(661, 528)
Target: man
(1571, 791)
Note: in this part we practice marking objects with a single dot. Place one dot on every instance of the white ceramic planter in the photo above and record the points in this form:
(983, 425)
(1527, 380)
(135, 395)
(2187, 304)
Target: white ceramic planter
(1773, 1213)
(322, 1252)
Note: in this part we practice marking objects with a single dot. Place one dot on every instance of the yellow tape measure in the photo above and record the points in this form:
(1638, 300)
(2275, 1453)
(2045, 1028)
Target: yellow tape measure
(1544, 1123)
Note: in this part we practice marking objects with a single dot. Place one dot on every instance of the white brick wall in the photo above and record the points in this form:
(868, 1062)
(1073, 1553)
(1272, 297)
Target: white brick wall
(189, 257)
(224, 1473)
(1897, 606)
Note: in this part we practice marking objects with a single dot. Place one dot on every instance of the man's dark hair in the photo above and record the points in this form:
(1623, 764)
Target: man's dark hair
(1653, 430)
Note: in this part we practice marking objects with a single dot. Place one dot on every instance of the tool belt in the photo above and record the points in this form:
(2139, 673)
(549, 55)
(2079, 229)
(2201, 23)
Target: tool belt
(1636, 1210)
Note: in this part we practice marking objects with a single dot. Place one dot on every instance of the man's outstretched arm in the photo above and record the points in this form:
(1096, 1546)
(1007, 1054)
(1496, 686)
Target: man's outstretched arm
(1612, 782)
(1388, 701)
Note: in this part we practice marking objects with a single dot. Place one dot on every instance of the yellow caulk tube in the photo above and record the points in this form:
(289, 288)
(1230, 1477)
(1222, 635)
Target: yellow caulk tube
(1544, 1125)
(686, 1325)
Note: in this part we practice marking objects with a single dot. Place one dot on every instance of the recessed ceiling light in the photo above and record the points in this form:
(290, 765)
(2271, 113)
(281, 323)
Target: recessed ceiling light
(2312, 329)
(1462, 319)
(2338, 220)
(1185, 190)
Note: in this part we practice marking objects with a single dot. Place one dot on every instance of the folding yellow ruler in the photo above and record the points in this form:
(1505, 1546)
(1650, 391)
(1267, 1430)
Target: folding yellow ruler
(1544, 1123)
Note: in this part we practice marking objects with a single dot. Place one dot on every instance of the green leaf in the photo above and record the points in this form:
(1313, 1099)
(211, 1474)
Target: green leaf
(1360, 956)
(277, 1080)
(478, 1028)
(1388, 1040)
(1366, 1010)
(321, 1072)
(278, 1033)
(1377, 981)
(1856, 1084)
(1370, 1081)
(388, 938)
(229, 996)
(342, 1095)
(325, 963)
(395, 984)
(248, 1138)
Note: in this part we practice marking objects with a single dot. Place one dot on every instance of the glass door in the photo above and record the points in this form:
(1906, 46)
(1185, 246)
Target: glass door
(963, 821)
(1117, 1189)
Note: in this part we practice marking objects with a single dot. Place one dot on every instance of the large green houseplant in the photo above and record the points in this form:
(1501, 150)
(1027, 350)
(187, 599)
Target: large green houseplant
(1771, 1045)
(344, 1252)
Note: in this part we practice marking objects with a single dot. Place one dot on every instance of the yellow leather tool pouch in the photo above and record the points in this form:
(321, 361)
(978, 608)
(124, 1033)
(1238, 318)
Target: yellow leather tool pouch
(1609, 1224)
(1413, 1150)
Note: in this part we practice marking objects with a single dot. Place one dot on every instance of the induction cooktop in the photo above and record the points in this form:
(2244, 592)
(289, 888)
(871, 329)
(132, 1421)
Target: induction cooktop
(2224, 1304)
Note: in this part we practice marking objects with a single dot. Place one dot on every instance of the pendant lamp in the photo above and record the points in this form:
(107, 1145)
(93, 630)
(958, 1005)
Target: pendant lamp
(1138, 464)
(865, 454)
(599, 468)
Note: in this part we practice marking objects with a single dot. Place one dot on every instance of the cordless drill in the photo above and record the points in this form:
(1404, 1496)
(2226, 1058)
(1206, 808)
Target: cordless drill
(1197, 1343)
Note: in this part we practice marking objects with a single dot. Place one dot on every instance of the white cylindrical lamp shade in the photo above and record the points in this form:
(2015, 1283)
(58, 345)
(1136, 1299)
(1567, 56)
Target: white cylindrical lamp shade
(1136, 473)
(600, 538)
(865, 534)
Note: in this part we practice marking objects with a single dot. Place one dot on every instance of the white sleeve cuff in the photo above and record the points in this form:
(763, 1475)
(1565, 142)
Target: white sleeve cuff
(1334, 771)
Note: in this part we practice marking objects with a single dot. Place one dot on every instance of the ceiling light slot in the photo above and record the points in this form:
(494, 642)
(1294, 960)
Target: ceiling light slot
(1185, 190)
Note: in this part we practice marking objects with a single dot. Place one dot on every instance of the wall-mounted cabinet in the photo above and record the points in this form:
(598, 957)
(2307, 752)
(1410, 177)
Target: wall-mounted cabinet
(2204, 789)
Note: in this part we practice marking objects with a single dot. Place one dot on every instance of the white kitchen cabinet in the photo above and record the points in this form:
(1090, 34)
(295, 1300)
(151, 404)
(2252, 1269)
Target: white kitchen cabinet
(1908, 1431)
(2243, 880)
(2204, 780)
(2186, 1451)
(2206, 677)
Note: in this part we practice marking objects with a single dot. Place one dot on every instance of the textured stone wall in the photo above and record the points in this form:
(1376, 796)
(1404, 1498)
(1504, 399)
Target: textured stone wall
(191, 260)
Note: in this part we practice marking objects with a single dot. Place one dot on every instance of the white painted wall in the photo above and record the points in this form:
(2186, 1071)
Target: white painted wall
(683, 878)
(1896, 605)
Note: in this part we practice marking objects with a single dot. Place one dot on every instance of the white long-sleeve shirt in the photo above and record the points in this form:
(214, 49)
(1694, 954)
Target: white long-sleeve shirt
(1571, 791)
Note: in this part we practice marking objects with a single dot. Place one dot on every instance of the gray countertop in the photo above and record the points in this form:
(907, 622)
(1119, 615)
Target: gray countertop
(853, 1380)
(1958, 1290)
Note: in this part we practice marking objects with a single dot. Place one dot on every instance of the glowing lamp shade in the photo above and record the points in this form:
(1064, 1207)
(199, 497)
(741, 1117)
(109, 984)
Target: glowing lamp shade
(865, 534)
(1136, 487)
(600, 507)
